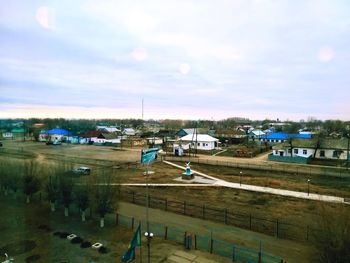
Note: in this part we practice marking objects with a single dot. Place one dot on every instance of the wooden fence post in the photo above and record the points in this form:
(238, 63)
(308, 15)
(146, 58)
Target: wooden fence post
(277, 228)
(116, 218)
(166, 204)
(184, 207)
(250, 221)
(133, 197)
(195, 241)
(166, 233)
(132, 223)
(307, 232)
(225, 211)
(203, 211)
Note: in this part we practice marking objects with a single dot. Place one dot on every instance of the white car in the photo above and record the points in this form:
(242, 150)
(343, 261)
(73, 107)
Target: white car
(82, 170)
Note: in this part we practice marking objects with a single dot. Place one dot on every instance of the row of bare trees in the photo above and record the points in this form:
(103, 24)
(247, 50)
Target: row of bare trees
(61, 186)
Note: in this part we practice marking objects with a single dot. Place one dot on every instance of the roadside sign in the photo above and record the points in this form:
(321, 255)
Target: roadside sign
(149, 155)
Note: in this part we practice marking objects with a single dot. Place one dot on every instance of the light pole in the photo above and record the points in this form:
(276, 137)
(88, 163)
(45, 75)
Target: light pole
(348, 154)
(240, 178)
(308, 186)
(149, 236)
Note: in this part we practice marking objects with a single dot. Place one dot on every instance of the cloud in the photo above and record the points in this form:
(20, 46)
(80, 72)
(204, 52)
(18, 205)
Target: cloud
(45, 16)
(325, 54)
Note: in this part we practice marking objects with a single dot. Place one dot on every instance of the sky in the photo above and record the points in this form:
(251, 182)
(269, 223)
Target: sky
(186, 59)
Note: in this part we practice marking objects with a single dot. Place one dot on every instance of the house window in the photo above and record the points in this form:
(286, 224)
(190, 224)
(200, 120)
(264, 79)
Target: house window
(335, 154)
(289, 150)
(296, 151)
(276, 152)
(199, 144)
(304, 151)
(322, 153)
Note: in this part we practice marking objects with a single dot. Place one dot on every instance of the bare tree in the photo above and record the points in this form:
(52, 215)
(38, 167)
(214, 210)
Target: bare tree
(82, 198)
(14, 177)
(3, 176)
(31, 182)
(53, 190)
(52, 185)
(105, 194)
(66, 191)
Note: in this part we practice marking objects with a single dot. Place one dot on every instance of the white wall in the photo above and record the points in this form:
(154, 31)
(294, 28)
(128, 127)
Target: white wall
(310, 151)
(7, 135)
(206, 146)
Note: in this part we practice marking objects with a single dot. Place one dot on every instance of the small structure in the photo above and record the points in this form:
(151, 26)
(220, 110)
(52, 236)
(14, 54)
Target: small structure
(129, 132)
(107, 129)
(54, 135)
(279, 137)
(199, 141)
(255, 135)
(188, 174)
(305, 149)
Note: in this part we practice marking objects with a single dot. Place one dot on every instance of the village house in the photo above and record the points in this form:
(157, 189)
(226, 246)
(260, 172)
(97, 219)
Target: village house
(108, 138)
(57, 134)
(89, 137)
(302, 150)
(184, 132)
(279, 137)
(108, 129)
(255, 135)
(197, 141)
(14, 134)
(230, 136)
(129, 132)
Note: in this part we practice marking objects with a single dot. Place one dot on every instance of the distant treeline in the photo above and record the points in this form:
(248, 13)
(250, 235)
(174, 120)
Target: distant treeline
(78, 126)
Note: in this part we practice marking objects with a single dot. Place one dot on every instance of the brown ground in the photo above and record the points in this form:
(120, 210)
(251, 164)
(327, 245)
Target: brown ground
(296, 211)
(21, 222)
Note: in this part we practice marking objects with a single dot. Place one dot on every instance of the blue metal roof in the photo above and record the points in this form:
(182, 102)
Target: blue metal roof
(285, 136)
(57, 131)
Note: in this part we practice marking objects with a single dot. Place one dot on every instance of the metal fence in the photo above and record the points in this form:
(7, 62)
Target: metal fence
(267, 167)
(201, 242)
(269, 226)
(186, 237)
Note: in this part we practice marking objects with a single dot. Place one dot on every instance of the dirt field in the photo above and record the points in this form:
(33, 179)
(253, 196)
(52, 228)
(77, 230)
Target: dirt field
(289, 210)
(321, 184)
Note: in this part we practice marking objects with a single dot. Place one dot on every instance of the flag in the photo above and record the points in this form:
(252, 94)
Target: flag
(129, 255)
(149, 155)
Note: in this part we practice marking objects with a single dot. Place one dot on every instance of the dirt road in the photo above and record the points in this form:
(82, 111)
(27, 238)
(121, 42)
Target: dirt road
(288, 250)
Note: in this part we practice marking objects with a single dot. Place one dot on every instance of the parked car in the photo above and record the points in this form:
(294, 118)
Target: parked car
(53, 143)
(82, 170)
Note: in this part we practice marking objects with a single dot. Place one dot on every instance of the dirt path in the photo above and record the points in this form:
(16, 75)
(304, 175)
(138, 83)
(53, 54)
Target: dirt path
(288, 250)
(269, 190)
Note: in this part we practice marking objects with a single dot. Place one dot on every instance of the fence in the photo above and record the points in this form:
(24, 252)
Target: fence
(190, 240)
(201, 242)
(280, 167)
(272, 227)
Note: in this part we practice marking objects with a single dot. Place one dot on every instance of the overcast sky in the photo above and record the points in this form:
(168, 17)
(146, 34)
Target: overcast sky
(188, 59)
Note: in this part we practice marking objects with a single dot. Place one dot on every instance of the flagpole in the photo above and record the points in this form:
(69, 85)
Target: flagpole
(147, 216)
(140, 241)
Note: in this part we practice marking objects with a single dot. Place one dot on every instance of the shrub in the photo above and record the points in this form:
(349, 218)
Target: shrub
(64, 234)
(103, 250)
(76, 240)
(85, 244)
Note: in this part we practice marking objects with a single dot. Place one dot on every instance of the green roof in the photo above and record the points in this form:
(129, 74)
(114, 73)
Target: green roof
(325, 143)
(17, 131)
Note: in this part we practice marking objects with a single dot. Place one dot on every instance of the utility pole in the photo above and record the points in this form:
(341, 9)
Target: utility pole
(142, 109)
(348, 148)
